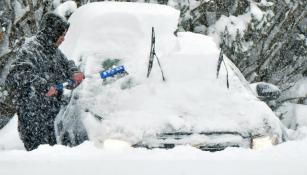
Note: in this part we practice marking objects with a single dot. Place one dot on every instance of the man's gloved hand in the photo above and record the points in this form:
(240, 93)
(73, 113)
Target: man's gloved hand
(52, 92)
(77, 77)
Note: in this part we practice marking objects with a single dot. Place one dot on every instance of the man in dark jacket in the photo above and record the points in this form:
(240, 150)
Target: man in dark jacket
(39, 66)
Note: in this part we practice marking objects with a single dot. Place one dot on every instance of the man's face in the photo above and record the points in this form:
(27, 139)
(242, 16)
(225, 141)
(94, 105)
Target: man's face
(60, 39)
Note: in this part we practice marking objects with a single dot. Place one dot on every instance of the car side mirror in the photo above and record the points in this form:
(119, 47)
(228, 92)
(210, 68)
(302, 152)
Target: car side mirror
(266, 91)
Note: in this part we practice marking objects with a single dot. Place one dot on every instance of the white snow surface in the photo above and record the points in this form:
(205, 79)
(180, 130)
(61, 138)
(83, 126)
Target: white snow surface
(236, 23)
(65, 8)
(56, 3)
(301, 115)
(191, 91)
(120, 29)
(294, 115)
(191, 100)
(255, 10)
(233, 24)
(117, 158)
(298, 90)
(9, 137)
(19, 10)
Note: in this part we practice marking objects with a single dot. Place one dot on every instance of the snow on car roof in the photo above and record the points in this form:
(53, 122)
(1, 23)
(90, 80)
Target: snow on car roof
(120, 29)
(192, 98)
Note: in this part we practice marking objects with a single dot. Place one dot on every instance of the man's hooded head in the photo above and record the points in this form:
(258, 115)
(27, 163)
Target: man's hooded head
(53, 26)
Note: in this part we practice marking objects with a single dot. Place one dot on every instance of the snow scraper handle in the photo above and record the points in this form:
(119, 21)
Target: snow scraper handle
(103, 75)
(60, 86)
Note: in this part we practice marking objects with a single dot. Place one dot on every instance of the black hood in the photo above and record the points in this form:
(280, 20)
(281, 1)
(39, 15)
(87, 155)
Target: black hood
(52, 27)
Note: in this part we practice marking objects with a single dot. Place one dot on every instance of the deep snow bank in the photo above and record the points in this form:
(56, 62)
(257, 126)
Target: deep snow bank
(287, 158)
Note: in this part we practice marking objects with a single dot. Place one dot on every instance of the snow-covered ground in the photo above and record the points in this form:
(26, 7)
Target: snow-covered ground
(117, 158)
(192, 99)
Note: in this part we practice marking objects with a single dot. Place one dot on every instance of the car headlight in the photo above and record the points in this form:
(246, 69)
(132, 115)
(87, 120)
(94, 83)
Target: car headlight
(261, 143)
(116, 145)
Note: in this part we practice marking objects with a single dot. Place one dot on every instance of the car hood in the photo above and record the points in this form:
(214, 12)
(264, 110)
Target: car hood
(191, 100)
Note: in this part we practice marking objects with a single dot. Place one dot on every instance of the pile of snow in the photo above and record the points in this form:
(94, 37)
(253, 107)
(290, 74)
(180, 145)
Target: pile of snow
(65, 9)
(120, 30)
(191, 100)
(283, 159)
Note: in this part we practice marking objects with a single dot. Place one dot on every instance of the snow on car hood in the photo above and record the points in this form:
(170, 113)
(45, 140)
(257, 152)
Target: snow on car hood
(192, 99)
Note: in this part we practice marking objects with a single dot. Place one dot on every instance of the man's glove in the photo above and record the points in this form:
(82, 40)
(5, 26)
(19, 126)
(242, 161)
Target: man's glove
(77, 78)
(51, 92)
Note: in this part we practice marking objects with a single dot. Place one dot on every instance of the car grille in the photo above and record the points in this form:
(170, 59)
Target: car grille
(206, 141)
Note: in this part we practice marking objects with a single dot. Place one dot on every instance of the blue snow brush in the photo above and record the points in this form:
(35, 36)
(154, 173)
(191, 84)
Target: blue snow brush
(116, 72)
(111, 72)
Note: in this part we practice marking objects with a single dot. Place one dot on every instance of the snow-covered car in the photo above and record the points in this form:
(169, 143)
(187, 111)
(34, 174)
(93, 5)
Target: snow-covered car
(192, 106)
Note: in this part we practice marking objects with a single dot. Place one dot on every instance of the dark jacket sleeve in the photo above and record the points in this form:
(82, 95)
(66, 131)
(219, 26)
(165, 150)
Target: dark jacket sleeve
(23, 74)
(71, 66)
